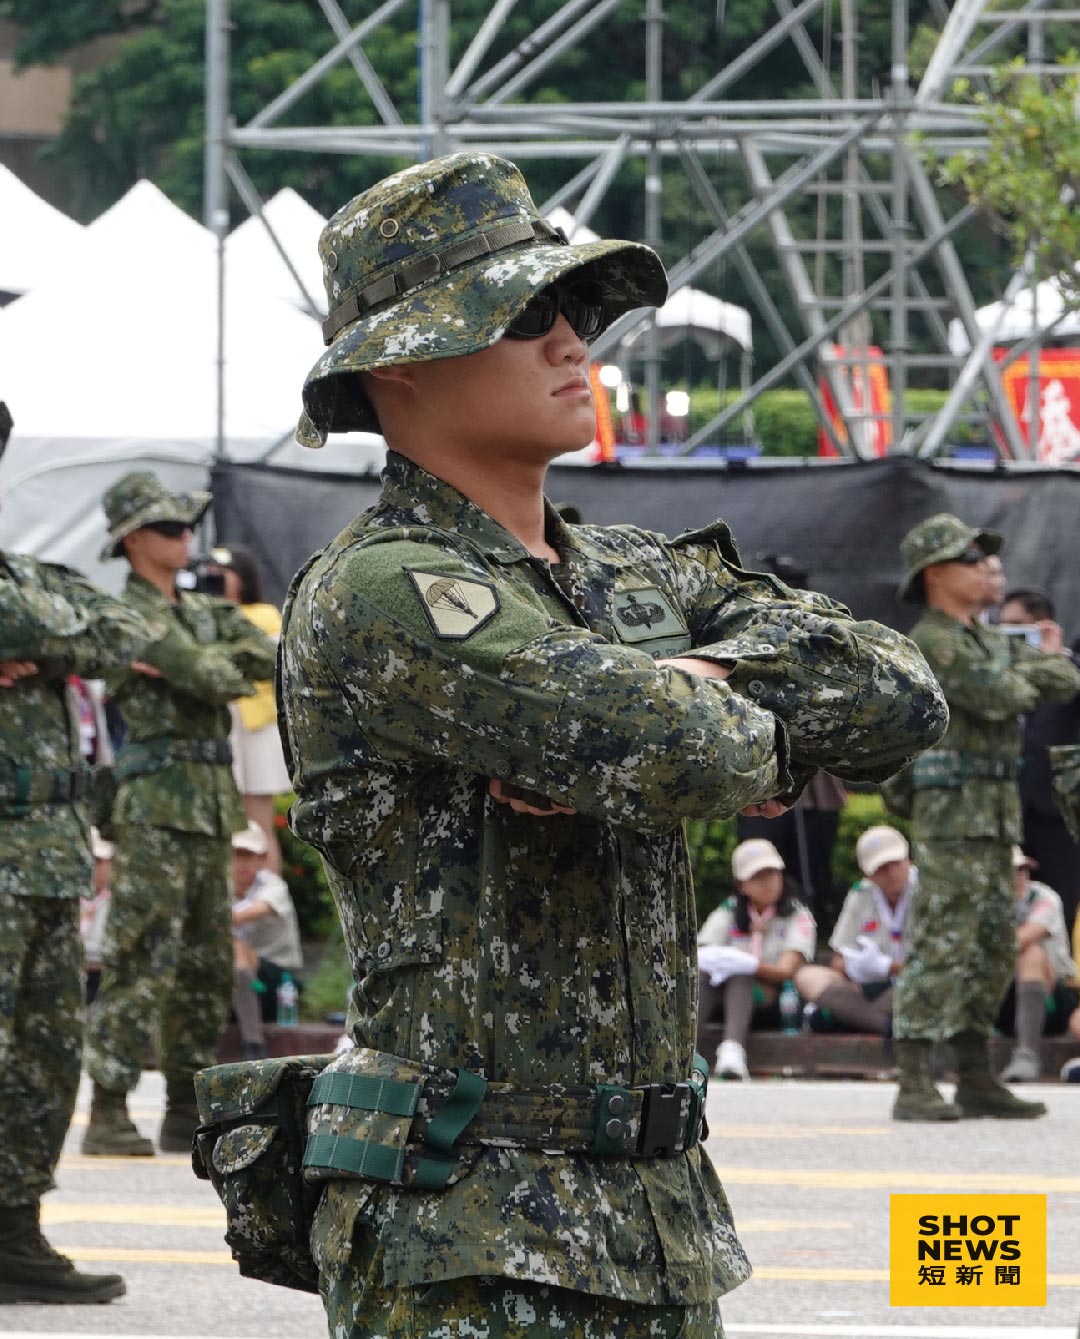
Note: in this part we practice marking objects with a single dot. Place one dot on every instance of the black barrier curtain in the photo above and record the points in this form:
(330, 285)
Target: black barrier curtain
(839, 522)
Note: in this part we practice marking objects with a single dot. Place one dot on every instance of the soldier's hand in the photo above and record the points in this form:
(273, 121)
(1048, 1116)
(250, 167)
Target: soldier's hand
(11, 671)
(524, 801)
(143, 667)
(770, 809)
(1051, 638)
(704, 669)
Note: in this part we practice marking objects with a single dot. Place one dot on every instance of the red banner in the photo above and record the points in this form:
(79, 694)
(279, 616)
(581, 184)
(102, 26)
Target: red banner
(867, 383)
(1059, 402)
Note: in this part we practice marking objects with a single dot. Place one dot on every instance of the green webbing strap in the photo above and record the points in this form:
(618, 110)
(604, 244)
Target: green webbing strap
(23, 778)
(445, 1129)
(697, 1129)
(365, 1092)
(380, 1162)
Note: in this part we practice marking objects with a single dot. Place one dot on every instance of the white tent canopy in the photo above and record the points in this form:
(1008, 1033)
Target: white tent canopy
(1020, 318)
(35, 238)
(253, 258)
(111, 366)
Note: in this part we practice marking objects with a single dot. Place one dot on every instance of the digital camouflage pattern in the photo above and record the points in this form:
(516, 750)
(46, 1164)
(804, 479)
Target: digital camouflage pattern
(537, 951)
(52, 616)
(939, 539)
(167, 971)
(168, 947)
(1065, 784)
(459, 298)
(962, 947)
(139, 498)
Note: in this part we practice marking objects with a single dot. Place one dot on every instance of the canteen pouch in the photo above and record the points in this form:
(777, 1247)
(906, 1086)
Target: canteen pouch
(377, 1117)
(250, 1146)
(1065, 784)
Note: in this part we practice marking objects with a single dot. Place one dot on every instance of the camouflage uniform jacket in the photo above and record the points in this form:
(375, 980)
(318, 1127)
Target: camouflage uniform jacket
(208, 654)
(52, 616)
(426, 651)
(989, 680)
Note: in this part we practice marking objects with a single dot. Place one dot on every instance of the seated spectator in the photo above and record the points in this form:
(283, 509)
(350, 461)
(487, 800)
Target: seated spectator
(1040, 1000)
(266, 945)
(855, 993)
(94, 911)
(747, 949)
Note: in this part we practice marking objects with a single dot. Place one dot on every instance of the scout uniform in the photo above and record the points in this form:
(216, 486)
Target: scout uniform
(425, 651)
(782, 933)
(168, 952)
(866, 913)
(51, 616)
(965, 818)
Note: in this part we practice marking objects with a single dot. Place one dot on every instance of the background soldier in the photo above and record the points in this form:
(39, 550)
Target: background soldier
(966, 817)
(168, 948)
(455, 656)
(52, 624)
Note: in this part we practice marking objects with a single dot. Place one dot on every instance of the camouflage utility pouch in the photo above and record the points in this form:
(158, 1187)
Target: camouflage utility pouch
(250, 1147)
(1065, 784)
(379, 1117)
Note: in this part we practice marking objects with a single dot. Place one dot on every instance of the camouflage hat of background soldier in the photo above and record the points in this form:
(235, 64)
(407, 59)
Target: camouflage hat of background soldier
(939, 539)
(435, 262)
(140, 498)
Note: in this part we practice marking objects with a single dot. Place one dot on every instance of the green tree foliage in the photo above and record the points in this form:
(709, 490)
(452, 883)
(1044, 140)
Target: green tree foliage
(1029, 177)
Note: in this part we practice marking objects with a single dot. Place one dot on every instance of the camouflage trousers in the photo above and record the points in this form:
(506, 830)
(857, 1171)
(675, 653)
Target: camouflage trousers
(360, 1306)
(963, 943)
(167, 974)
(41, 967)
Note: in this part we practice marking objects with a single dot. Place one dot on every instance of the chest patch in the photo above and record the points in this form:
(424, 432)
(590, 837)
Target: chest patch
(645, 615)
(455, 606)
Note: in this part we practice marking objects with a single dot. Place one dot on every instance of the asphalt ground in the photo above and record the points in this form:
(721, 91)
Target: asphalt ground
(809, 1168)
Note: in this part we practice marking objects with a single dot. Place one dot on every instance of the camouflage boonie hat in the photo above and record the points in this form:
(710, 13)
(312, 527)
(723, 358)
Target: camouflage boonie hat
(139, 498)
(938, 539)
(435, 262)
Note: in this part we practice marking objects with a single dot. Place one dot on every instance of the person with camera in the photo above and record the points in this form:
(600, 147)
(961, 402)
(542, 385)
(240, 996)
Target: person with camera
(496, 724)
(167, 973)
(53, 624)
(965, 810)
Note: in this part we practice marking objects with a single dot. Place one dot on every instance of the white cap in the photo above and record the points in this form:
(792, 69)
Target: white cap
(99, 847)
(1022, 861)
(751, 857)
(878, 846)
(252, 839)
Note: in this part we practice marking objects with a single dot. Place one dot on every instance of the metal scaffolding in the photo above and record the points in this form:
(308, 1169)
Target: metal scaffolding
(861, 143)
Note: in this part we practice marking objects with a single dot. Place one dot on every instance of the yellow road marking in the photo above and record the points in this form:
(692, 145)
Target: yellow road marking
(137, 1255)
(805, 1274)
(81, 1162)
(793, 1225)
(144, 1215)
(895, 1179)
(148, 1114)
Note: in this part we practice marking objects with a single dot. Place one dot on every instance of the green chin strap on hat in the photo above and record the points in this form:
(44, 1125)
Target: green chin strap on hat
(939, 539)
(435, 262)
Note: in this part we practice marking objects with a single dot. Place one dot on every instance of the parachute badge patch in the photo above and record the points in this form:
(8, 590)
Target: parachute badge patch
(644, 615)
(456, 607)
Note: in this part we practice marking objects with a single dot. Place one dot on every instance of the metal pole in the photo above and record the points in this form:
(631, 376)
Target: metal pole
(216, 186)
(654, 49)
(1034, 397)
(900, 346)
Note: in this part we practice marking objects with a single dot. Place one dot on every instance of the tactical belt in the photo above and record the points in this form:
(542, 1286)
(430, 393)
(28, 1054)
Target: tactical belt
(949, 768)
(25, 787)
(655, 1120)
(145, 756)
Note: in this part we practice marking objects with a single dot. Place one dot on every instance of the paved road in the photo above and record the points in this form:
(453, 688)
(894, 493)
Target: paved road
(808, 1166)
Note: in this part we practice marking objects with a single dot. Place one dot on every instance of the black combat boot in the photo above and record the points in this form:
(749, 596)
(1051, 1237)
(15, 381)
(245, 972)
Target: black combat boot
(181, 1116)
(978, 1092)
(111, 1131)
(917, 1098)
(31, 1271)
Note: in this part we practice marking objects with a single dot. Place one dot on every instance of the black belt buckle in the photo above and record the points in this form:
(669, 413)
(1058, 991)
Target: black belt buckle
(663, 1119)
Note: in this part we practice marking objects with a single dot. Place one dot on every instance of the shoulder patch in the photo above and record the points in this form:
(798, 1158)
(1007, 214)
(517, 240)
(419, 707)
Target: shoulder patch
(456, 607)
(643, 614)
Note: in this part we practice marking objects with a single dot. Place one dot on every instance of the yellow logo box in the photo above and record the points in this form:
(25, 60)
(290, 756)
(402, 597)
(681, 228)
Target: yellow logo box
(967, 1250)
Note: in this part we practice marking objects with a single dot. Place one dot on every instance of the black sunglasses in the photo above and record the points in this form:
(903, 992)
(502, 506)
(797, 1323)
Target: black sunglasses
(581, 303)
(168, 529)
(971, 558)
